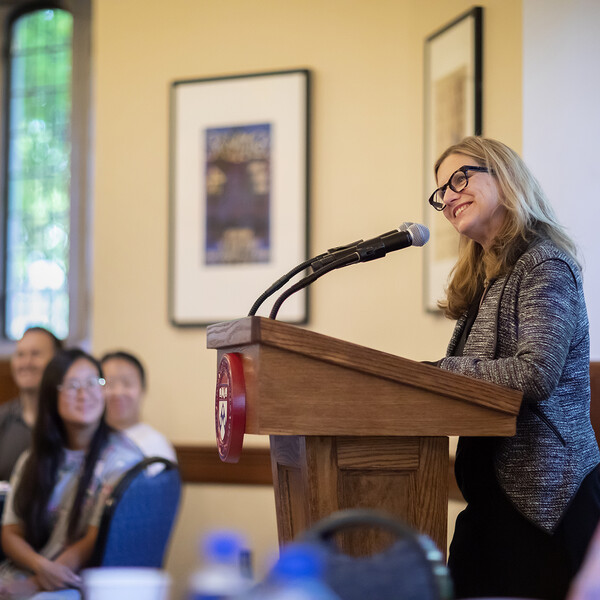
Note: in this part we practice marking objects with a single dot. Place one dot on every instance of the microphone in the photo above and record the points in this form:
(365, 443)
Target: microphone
(408, 234)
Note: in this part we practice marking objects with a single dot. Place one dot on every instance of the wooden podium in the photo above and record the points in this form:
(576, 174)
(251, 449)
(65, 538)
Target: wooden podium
(353, 427)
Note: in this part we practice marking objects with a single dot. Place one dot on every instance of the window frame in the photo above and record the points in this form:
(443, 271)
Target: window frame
(80, 189)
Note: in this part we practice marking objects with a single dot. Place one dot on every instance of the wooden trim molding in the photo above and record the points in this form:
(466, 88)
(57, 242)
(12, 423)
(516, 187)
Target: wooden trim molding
(201, 464)
(8, 389)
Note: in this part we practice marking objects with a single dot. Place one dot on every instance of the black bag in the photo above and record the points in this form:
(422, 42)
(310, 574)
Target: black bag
(412, 568)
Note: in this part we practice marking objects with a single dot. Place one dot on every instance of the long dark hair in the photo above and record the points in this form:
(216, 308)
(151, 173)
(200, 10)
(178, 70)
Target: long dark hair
(48, 442)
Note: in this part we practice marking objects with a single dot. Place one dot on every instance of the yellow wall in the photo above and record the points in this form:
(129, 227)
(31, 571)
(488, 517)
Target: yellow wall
(366, 59)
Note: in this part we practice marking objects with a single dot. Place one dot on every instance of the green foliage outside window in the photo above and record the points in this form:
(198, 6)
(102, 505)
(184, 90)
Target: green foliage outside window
(39, 168)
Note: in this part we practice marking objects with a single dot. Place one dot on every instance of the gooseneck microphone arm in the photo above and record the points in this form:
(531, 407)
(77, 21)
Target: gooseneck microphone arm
(408, 234)
(336, 264)
(277, 285)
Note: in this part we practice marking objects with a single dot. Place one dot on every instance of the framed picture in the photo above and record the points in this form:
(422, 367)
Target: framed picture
(453, 110)
(238, 193)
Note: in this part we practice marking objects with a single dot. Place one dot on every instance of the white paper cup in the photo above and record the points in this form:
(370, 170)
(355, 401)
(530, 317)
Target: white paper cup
(125, 583)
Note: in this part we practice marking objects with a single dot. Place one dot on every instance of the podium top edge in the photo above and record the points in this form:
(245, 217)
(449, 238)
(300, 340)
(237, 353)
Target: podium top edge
(252, 331)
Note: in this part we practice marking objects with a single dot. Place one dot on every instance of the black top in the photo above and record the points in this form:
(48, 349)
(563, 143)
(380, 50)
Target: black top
(474, 465)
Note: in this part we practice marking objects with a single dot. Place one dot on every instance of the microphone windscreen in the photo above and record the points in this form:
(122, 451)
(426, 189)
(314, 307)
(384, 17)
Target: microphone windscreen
(419, 233)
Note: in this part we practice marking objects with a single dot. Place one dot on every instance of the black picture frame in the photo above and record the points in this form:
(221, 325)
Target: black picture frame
(239, 193)
(453, 109)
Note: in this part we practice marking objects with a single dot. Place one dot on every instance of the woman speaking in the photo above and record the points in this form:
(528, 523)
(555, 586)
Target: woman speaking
(533, 500)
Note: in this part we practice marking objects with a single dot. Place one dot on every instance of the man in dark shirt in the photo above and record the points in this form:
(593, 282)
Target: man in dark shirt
(33, 352)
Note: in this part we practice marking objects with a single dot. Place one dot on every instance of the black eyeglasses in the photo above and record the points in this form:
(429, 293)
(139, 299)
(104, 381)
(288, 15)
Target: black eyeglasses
(457, 183)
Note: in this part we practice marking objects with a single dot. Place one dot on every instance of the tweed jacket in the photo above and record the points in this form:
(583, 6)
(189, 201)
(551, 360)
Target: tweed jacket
(531, 334)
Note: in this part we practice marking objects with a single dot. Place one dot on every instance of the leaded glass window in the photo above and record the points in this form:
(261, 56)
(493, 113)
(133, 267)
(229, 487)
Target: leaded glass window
(38, 172)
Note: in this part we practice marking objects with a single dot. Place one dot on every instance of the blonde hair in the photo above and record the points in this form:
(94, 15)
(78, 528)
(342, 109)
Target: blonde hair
(529, 217)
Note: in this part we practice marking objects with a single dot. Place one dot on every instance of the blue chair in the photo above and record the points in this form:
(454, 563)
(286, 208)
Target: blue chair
(138, 516)
(137, 520)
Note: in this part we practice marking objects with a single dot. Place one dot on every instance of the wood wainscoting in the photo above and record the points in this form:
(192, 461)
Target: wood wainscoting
(8, 389)
(201, 463)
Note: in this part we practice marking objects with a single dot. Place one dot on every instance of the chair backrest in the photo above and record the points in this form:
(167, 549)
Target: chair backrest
(138, 517)
(412, 567)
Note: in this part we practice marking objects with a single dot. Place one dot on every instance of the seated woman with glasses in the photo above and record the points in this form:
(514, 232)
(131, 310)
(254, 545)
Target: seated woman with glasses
(533, 500)
(59, 485)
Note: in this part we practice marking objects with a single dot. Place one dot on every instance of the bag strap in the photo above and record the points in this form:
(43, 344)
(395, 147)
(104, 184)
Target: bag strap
(326, 528)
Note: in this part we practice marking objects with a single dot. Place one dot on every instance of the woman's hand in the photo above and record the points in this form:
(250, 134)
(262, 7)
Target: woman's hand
(48, 575)
(52, 575)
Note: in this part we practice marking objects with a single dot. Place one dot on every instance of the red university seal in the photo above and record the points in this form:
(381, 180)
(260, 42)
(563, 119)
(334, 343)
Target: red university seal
(230, 407)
